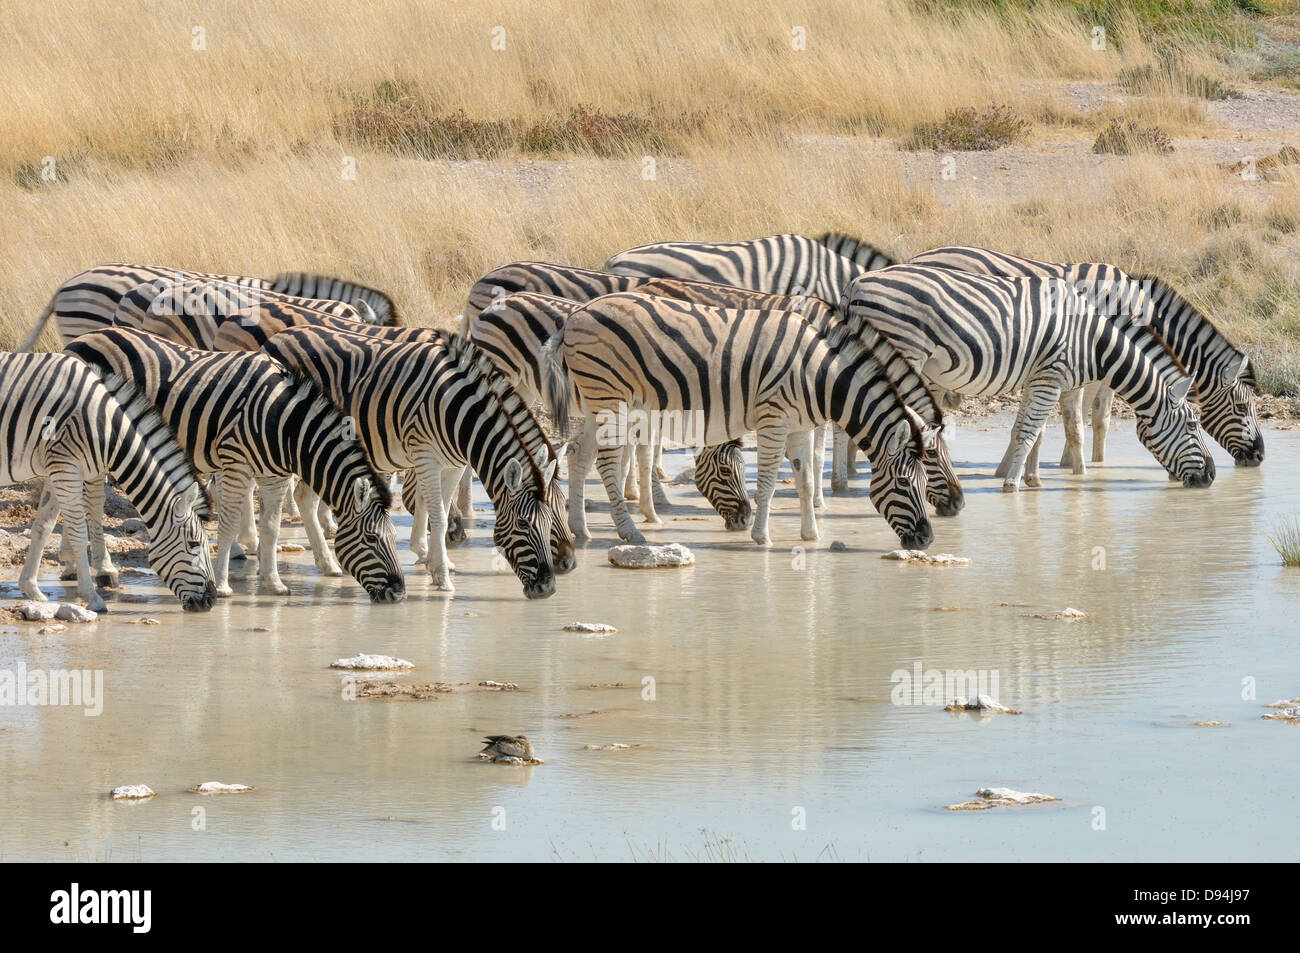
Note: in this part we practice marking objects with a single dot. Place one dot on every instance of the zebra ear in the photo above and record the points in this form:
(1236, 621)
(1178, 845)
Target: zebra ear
(542, 457)
(1179, 388)
(898, 437)
(562, 452)
(548, 472)
(366, 312)
(185, 505)
(1232, 373)
(514, 476)
(361, 492)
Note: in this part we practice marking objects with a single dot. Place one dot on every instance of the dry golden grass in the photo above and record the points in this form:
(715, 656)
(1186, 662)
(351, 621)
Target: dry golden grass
(230, 159)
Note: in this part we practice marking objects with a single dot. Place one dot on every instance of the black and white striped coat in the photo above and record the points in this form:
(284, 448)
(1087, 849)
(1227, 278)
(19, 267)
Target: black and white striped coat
(247, 418)
(92, 299)
(435, 407)
(777, 264)
(767, 371)
(73, 426)
(261, 325)
(981, 335)
(1224, 379)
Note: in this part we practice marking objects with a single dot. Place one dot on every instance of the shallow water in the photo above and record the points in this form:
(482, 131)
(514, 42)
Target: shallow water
(771, 693)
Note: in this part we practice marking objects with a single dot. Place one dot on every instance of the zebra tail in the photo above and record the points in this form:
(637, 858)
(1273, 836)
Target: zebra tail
(29, 343)
(555, 381)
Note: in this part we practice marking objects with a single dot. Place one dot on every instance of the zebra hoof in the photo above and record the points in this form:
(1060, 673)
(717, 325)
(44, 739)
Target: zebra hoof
(224, 591)
(763, 540)
(1011, 487)
(96, 605)
(106, 580)
(819, 503)
(67, 574)
(1033, 481)
(277, 588)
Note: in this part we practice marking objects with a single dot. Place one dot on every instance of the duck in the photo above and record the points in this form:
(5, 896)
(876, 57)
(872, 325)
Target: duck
(508, 746)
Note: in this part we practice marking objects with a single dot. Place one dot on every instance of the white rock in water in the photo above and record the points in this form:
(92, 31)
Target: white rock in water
(371, 662)
(500, 686)
(51, 629)
(37, 611)
(684, 477)
(131, 792)
(1068, 613)
(616, 746)
(69, 612)
(924, 558)
(981, 703)
(216, 787)
(999, 797)
(590, 628)
(651, 557)
(1283, 714)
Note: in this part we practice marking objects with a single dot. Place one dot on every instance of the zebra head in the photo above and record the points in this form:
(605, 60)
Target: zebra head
(896, 483)
(178, 550)
(523, 527)
(1228, 413)
(720, 478)
(366, 544)
(566, 559)
(1173, 435)
(942, 488)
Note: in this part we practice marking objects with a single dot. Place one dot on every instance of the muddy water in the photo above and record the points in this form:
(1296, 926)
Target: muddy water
(771, 699)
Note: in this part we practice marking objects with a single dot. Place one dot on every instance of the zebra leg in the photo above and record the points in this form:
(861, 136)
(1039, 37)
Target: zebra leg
(799, 448)
(1072, 418)
(429, 473)
(1034, 408)
(609, 461)
(645, 456)
(272, 490)
(105, 572)
(631, 489)
(234, 489)
(464, 508)
(839, 460)
(69, 497)
(47, 513)
(582, 451)
(291, 510)
(771, 447)
(852, 459)
(1031, 463)
(413, 500)
(819, 463)
(326, 520)
(248, 522)
(1103, 399)
(660, 473)
(321, 553)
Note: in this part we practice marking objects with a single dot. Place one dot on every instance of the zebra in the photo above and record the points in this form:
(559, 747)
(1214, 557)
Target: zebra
(542, 277)
(246, 417)
(769, 371)
(778, 264)
(975, 334)
(943, 489)
(514, 329)
(435, 407)
(259, 326)
(74, 426)
(1223, 376)
(90, 300)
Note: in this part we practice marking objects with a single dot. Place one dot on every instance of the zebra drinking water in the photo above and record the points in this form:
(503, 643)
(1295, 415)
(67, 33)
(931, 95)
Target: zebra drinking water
(244, 416)
(74, 426)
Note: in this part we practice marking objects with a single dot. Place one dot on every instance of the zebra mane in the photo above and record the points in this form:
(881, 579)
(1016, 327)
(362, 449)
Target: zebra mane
(1176, 300)
(321, 404)
(1157, 284)
(856, 250)
(469, 355)
(175, 463)
(848, 333)
(378, 300)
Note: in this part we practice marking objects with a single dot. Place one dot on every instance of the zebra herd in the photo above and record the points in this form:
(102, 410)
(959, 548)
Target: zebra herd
(310, 390)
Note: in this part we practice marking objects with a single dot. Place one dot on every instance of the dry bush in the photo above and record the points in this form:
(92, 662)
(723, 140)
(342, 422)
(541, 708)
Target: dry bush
(969, 129)
(1126, 136)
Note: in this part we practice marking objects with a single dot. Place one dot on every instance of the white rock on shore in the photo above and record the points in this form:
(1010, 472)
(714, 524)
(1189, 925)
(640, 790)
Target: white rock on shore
(999, 797)
(132, 792)
(923, 558)
(662, 556)
(372, 662)
(33, 611)
(984, 703)
(590, 628)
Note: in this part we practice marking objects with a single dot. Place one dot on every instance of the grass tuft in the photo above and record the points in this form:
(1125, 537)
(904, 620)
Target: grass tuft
(969, 129)
(1285, 538)
(1125, 137)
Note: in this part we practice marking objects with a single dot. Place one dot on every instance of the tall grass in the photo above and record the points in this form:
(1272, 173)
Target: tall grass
(125, 83)
(1285, 538)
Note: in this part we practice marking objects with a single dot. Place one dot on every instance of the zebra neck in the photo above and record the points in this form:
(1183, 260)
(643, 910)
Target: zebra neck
(488, 440)
(133, 461)
(316, 444)
(859, 397)
(1187, 331)
(1126, 367)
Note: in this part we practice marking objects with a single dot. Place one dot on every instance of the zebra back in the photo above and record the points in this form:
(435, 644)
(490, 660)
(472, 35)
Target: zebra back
(867, 257)
(560, 281)
(512, 331)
